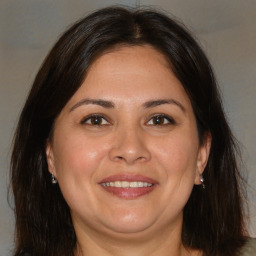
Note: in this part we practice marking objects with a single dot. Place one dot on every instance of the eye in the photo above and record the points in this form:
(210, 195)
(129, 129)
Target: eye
(95, 120)
(161, 119)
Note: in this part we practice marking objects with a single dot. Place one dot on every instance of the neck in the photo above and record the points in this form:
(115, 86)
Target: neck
(165, 242)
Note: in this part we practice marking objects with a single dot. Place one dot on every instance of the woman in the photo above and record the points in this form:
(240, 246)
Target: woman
(123, 148)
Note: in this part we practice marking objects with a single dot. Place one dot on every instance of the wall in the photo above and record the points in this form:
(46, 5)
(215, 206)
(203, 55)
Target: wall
(226, 30)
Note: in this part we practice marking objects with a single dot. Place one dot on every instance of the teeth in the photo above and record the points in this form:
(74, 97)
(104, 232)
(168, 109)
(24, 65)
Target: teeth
(127, 184)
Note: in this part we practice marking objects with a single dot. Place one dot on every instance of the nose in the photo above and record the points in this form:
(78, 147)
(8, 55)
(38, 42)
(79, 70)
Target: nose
(130, 146)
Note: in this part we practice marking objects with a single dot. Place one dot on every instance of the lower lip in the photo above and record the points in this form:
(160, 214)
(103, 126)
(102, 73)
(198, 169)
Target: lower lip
(129, 193)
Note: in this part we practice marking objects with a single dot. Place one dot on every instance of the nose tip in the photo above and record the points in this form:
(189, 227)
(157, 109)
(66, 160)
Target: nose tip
(129, 158)
(130, 148)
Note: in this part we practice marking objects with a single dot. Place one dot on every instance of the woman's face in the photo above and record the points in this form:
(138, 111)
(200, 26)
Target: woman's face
(125, 149)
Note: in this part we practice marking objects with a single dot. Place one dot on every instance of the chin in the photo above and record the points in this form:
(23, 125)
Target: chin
(131, 222)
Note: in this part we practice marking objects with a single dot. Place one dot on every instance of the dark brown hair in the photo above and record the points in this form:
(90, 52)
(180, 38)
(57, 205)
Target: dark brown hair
(213, 218)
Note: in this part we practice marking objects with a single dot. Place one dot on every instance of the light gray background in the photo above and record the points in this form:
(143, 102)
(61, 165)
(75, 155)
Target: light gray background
(225, 28)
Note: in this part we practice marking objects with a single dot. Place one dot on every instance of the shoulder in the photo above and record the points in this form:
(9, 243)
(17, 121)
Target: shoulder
(249, 249)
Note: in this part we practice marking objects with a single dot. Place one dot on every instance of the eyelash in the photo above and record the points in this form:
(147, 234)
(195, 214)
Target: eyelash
(167, 120)
(96, 116)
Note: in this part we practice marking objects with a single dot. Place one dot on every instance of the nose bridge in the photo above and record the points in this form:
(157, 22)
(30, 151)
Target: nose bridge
(130, 144)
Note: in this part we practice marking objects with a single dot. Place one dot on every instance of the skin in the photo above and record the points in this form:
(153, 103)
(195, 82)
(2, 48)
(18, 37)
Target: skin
(128, 141)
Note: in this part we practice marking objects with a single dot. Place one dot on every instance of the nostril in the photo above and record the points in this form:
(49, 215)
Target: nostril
(129, 154)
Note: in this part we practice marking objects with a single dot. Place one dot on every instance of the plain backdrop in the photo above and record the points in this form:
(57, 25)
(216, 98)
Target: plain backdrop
(226, 29)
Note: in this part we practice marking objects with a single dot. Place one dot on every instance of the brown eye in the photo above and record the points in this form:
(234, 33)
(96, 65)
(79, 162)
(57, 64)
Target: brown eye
(158, 120)
(161, 120)
(96, 120)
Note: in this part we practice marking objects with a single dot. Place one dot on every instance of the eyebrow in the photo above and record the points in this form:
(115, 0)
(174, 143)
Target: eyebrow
(155, 103)
(99, 102)
(110, 104)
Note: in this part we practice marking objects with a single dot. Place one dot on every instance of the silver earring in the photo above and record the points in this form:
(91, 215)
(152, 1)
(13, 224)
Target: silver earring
(54, 181)
(202, 181)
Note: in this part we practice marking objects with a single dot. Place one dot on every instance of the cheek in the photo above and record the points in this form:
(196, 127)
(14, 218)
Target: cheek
(77, 162)
(177, 156)
(78, 156)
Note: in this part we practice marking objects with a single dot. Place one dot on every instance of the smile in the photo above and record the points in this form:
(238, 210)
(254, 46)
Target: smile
(127, 184)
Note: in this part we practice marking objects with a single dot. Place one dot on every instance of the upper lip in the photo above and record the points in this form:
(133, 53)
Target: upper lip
(128, 177)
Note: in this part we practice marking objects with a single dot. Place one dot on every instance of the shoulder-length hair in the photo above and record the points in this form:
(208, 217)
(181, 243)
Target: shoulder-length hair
(213, 218)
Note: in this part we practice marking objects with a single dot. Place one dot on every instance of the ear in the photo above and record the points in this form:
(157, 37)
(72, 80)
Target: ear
(50, 158)
(202, 157)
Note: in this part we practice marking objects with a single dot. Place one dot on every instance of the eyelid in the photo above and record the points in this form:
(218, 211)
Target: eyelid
(170, 119)
(88, 117)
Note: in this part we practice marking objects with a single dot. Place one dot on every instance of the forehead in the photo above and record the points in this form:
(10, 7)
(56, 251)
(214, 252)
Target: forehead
(131, 72)
(131, 56)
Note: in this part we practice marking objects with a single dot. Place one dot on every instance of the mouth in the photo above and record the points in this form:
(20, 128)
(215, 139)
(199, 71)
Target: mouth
(128, 186)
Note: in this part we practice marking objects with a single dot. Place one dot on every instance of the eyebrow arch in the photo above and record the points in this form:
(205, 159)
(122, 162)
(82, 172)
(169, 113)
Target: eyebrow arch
(99, 102)
(155, 103)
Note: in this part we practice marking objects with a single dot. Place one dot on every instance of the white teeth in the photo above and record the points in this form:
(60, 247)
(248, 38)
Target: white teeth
(140, 184)
(127, 184)
(117, 184)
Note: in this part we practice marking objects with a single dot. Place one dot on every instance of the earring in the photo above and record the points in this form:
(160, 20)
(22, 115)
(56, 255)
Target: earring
(54, 181)
(202, 181)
